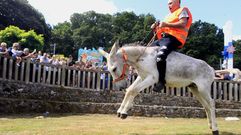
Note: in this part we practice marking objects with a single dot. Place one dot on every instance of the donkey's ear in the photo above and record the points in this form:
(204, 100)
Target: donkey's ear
(102, 52)
(114, 48)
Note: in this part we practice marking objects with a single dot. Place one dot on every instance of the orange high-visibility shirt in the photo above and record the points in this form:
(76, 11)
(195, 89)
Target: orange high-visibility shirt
(180, 34)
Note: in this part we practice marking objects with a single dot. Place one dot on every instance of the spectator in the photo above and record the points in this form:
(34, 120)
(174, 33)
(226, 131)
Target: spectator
(88, 65)
(15, 53)
(44, 59)
(26, 54)
(70, 61)
(79, 65)
(62, 62)
(55, 61)
(39, 54)
(3, 49)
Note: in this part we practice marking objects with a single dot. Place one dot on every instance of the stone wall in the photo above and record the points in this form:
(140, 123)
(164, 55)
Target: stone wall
(18, 97)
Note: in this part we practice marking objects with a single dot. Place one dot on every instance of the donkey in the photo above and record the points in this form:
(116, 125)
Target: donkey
(181, 71)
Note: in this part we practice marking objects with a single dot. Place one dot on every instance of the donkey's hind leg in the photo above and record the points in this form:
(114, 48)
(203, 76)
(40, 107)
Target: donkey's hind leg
(204, 97)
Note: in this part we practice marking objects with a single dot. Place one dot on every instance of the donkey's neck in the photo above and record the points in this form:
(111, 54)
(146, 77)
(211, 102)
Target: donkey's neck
(133, 52)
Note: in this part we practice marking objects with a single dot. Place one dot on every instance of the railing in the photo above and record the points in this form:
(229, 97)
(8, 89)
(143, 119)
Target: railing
(47, 74)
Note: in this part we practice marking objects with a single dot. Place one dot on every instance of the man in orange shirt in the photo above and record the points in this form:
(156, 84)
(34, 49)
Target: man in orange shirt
(171, 34)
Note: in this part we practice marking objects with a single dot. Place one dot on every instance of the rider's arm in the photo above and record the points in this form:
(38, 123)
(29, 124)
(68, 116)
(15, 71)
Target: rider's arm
(180, 24)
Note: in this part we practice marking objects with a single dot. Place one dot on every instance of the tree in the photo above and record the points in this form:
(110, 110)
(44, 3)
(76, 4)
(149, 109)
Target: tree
(21, 14)
(28, 39)
(91, 29)
(62, 37)
(237, 54)
(205, 41)
(128, 27)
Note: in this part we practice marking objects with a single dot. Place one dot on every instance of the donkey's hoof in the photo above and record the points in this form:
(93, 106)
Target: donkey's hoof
(123, 116)
(215, 132)
(118, 114)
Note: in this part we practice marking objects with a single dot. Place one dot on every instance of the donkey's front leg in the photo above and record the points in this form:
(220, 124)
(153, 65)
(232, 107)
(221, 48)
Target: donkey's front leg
(132, 92)
(138, 80)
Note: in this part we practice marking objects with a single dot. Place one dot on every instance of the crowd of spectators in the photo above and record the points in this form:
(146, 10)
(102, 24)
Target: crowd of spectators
(19, 55)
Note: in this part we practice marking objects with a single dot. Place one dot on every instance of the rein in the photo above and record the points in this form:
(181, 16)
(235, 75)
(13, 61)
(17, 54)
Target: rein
(125, 67)
(149, 44)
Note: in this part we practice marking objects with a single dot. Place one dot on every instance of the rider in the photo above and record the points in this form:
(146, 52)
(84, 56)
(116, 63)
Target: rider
(171, 34)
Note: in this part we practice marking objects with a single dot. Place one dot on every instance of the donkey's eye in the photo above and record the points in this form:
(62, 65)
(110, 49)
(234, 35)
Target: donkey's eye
(114, 69)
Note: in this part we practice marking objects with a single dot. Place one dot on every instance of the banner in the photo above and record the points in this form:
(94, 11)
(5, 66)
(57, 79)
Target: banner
(92, 55)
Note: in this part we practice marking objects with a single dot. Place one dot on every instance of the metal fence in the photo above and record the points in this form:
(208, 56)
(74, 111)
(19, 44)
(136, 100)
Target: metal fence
(48, 74)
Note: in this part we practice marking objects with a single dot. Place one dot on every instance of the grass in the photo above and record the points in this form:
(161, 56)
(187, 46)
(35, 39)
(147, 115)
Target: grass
(96, 124)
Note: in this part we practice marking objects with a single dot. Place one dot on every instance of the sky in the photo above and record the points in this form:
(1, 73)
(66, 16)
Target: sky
(217, 12)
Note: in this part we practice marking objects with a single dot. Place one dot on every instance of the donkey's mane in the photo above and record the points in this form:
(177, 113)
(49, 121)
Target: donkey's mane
(138, 47)
(132, 44)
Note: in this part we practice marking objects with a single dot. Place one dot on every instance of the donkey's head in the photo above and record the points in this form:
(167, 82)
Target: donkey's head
(117, 65)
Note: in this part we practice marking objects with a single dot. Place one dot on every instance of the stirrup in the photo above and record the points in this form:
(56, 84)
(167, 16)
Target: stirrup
(158, 87)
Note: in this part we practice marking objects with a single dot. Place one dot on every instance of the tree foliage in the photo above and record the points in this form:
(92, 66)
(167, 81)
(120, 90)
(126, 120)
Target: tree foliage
(237, 54)
(205, 41)
(28, 39)
(21, 14)
(62, 37)
(92, 29)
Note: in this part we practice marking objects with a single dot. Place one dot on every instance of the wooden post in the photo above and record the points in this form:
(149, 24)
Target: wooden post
(74, 78)
(54, 75)
(10, 69)
(68, 77)
(44, 74)
(79, 77)
(59, 76)
(220, 90)
(236, 91)
(34, 72)
(63, 76)
(93, 80)
(98, 81)
(22, 71)
(49, 74)
(88, 80)
(16, 72)
(83, 79)
(39, 73)
(27, 71)
(5, 61)
(225, 91)
(230, 91)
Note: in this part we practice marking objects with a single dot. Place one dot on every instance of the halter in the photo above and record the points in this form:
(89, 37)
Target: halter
(125, 66)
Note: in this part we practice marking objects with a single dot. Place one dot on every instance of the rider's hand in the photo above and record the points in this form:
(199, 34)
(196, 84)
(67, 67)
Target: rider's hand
(153, 26)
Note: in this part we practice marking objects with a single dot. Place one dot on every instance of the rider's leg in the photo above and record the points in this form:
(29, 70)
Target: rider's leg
(168, 44)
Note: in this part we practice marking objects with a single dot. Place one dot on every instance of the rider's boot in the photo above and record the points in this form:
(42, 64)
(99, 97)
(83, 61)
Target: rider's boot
(161, 66)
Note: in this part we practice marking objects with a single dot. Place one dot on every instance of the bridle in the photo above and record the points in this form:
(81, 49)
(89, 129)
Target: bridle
(125, 57)
(125, 67)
